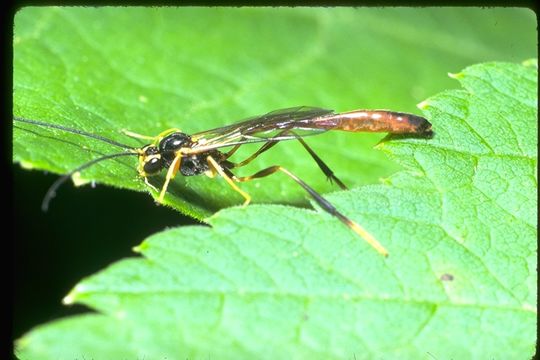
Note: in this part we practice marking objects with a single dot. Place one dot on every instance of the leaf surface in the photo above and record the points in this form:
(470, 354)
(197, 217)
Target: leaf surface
(271, 281)
(197, 68)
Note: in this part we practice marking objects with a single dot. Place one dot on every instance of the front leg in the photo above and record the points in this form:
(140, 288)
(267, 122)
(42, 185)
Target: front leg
(153, 139)
(171, 173)
(150, 185)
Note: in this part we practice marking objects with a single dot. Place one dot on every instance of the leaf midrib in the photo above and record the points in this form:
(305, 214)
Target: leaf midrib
(243, 293)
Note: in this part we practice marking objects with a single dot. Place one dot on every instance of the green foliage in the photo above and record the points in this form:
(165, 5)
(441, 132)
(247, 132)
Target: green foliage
(146, 70)
(279, 282)
(271, 281)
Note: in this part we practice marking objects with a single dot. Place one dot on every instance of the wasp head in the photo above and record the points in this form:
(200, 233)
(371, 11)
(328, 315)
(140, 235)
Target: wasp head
(150, 161)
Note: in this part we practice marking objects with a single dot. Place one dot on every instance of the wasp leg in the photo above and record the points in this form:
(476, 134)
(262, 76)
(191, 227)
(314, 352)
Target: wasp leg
(325, 169)
(153, 139)
(323, 203)
(262, 149)
(214, 165)
(322, 165)
(171, 173)
(162, 134)
(150, 185)
(231, 152)
(137, 136)
(211, 173)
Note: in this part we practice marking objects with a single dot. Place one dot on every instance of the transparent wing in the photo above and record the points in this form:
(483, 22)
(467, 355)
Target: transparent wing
(261, 128)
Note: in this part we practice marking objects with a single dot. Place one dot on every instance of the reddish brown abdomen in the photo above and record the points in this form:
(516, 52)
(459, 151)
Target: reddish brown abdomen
(375, 121)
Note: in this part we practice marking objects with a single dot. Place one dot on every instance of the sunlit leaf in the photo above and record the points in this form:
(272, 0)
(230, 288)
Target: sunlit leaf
(274, 282)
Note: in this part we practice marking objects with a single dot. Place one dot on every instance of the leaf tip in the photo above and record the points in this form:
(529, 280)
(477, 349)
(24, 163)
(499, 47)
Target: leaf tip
(459, 75)
(78, 180)
(385, 181)
(423, 105)
(26, 165)
(531, 63)
(140, 248)
(70, 298)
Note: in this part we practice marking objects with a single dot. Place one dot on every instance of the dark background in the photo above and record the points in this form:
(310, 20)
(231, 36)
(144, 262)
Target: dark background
(84, 230)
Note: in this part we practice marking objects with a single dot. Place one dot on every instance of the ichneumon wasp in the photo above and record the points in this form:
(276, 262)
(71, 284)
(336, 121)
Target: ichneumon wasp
(201, 153)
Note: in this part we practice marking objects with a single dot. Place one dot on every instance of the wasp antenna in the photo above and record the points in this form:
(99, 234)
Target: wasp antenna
(52, 190)
(74, 131)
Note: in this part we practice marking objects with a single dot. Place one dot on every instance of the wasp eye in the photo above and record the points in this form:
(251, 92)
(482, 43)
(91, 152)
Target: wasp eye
(152, 166)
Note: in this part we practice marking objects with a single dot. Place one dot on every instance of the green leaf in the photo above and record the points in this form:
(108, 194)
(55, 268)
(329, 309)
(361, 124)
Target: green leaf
(271, 281)
(146, 70)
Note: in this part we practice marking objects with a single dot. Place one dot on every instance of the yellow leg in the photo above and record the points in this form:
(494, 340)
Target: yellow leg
(149, 185)
(162, 134)
(263, 148)
(216, 167)
(211, 173)
(323, 203)
(232, 151)
(324, 168)
(171, 173)
(137, 136)
(153, 139)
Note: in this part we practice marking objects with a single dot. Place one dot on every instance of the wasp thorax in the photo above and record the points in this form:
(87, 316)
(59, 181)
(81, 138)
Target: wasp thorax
(170, 144)
(173, 142)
